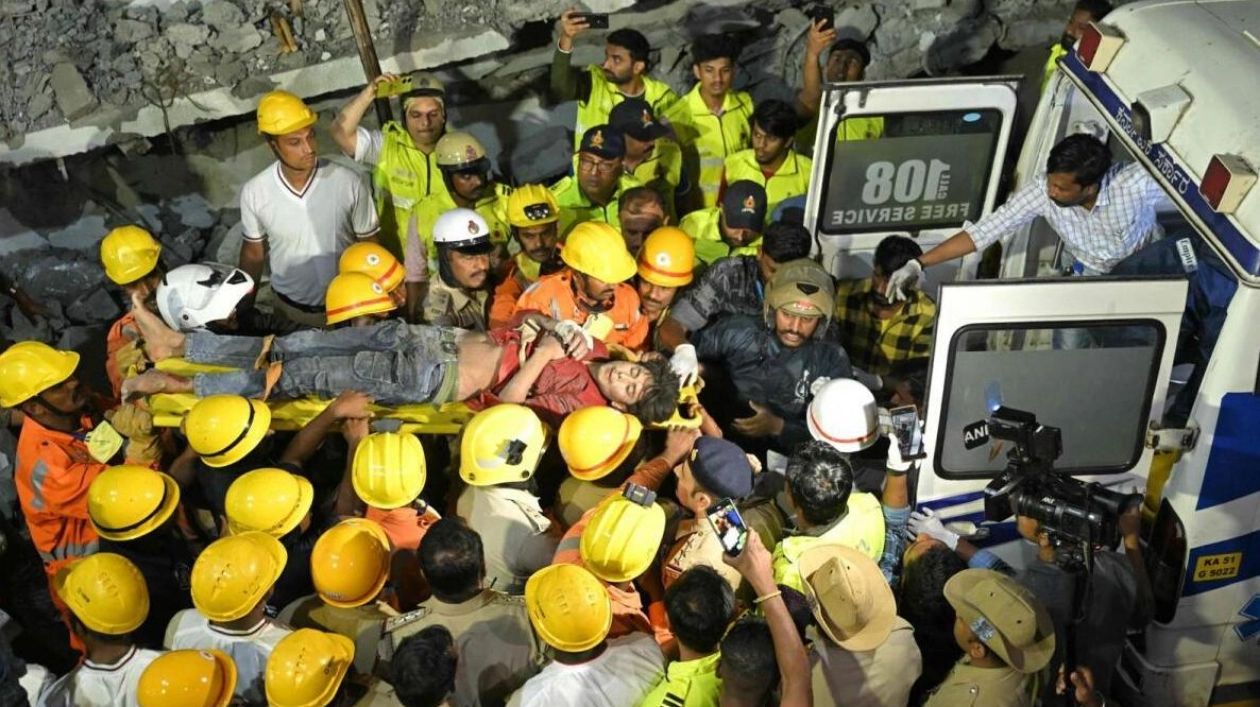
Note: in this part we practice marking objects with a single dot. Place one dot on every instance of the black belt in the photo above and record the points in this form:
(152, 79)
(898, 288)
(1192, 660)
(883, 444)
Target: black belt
(309, 309)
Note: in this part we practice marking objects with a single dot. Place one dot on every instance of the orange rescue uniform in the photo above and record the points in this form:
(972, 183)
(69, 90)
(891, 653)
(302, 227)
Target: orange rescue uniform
(123, 332)
(553, 295)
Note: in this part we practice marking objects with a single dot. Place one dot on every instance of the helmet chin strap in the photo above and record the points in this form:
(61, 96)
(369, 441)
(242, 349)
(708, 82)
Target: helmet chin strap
(581, 297)
(53, 408)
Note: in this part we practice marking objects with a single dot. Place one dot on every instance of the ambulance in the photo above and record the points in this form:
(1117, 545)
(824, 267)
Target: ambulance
(1164, 398)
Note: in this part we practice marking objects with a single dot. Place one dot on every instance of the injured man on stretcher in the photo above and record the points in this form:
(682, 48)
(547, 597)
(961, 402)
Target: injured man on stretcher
(556, 371)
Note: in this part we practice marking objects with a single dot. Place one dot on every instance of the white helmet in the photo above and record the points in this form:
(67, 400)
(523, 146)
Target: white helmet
(462, 229)
(843, 414)
(194, 295)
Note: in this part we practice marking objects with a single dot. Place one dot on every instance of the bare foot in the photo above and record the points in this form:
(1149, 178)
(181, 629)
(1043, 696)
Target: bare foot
(152, 381)
(160, 342)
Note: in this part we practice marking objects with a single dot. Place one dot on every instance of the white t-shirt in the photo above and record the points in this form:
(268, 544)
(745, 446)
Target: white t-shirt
(368, 145)
(95, 685)
(249, 648)
(307, 231)
(620, 677)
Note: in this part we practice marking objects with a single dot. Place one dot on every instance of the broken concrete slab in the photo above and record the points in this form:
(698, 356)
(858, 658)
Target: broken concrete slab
(93, 307)
(221, 14)
(131, 31)
(83, 235)
(74, 98)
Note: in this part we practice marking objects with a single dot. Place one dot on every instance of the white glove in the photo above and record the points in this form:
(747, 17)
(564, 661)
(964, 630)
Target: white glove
(685, 365)
(895, 462)
(567, 328)
(906, 277)
(818, 384)
(926, 522)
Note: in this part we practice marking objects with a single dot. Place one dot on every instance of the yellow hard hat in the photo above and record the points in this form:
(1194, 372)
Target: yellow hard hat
(350, 563)
(104, 591)
(188, 678)
(234, 573)
(389, 469)
(306, 667)
(596, 249)
(28, 368)
(129, 253)
(130, 501)
(375, 261)
(620, 541)
(224, 429)
(595, 440)
(501, 444)
(667, 257)
(459, 151)
(271, 501)
(353, 294)
(281, 113)
(569, 607)
(532, 205)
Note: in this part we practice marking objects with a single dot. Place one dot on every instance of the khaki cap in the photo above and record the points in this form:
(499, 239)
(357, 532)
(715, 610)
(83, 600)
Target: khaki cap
(1005, 616)
(849, 596)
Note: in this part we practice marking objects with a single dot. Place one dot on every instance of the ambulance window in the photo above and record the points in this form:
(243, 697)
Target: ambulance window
(1092, 380)
(908, 171)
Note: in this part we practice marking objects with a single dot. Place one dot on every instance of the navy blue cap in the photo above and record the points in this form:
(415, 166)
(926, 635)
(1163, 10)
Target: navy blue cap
(603, 141)
(721, 468)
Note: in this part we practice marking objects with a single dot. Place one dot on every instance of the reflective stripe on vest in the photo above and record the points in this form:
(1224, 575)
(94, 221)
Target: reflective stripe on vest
(862, 529)
(403, 176)
(604, 96)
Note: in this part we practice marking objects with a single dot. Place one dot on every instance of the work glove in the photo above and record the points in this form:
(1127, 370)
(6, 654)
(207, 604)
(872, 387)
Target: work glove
(895, 464)
(685, 365)
(926, 522)
(906, 277)
(132, 421)
(567, 328)
(144, 450)
(818, 384)
(130, 359)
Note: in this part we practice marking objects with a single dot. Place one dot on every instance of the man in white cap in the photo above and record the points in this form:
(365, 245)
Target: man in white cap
(866, 655)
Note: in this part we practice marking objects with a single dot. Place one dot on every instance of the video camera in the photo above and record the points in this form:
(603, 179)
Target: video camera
(1068, 507)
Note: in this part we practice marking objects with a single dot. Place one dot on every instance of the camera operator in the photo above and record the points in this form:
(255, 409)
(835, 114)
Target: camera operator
(1118, 598)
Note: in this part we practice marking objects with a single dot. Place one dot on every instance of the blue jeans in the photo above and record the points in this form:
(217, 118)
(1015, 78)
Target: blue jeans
(393, 362)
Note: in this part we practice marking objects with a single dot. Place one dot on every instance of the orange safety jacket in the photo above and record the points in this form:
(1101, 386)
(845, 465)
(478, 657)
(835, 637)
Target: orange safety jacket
(553, 295)
(123, 332)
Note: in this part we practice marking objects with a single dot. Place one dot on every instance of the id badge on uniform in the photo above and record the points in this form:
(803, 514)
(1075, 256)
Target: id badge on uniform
(103, 442)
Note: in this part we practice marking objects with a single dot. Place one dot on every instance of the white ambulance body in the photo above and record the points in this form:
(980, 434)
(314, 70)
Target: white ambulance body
(1174, 86)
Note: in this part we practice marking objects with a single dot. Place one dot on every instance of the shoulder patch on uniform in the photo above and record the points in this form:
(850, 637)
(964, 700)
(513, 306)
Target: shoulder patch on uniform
(397, 622)
(510, 599)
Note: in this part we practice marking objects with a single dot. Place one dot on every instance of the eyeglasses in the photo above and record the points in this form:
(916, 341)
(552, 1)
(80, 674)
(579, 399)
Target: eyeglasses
(537, 212)
(601, 167)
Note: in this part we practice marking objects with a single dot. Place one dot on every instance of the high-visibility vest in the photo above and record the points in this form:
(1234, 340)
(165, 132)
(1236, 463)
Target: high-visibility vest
(862, 528)
(663, 172)
(709, 139)
(792, 179)
(604, 95)
(493, 208)
(402, 176)
(705, 230)
(575, 208)
(859, 127)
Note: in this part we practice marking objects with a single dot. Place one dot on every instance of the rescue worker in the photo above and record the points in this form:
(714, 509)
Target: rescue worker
(863, 653)
(213, 297)
(598, 88)
(232, 581)
(594, 192)
(63, 447)
(310, 668)
(299, 214)
(499, 454)
(349, 566)
(404, 169)
(712, 120)
(700, 605)
(375, 261)
(424, 668)
(592, 290)
(773, 362)
(771, 161)
(498, 650)
(847, 60)
(460, 295)
(108, 601)
(843, 414)
(534, 217)
(188, 678)
(571, 612)
(133, 261)
(470, 185)
(132, 508)
(732, 228)
(355, 299)
(1006, 637)
(652, 157)
(642, 211)
(1083, 13)
(664, 266)
(387, 472)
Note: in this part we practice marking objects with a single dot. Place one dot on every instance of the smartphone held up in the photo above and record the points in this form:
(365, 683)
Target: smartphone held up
(731, 530)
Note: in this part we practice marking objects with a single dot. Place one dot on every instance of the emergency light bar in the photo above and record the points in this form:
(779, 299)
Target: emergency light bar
(1227, 180)
(1098, 46)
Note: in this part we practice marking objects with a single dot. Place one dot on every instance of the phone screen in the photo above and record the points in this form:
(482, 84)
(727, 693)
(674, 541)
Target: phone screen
(595, 20)
(905, 429)
(729, 526)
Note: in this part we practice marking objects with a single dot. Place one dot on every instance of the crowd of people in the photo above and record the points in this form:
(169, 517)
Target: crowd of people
(623, 351)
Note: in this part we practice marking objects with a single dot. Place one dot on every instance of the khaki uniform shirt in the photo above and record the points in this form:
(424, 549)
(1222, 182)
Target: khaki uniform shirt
(497, 648)
(361, 624)
(455, 307)
(968, 686)
(695, 543)
(518, 539)
(876, 678)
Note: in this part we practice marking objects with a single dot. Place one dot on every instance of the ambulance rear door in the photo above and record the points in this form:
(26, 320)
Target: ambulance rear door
(1103, 382)
(917, 158)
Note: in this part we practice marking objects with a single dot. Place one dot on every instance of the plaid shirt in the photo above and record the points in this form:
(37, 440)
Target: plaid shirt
(878, 345)
(1122, 220)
